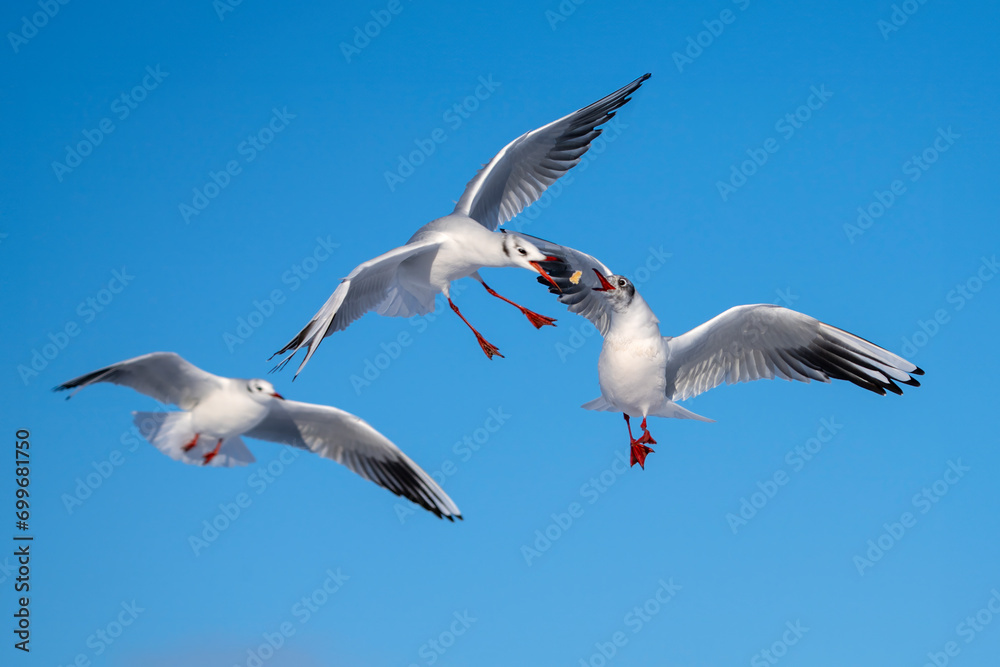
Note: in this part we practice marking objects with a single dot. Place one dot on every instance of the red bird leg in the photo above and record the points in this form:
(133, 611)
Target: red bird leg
(639, 448)
(646, 438)
(538, 320)
(211, 455)
(194, 441)
(489, 348)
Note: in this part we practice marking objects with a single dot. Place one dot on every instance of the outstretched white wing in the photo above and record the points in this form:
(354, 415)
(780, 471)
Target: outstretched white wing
(165, 376)
(363, 290)
(748, 343)
(351, 441)
(518, 175)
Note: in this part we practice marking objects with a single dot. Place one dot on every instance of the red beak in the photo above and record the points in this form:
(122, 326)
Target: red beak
(605, 285)
(545, 275)
(277, 395)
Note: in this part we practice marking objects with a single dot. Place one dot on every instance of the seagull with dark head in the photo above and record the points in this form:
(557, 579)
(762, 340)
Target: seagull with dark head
(643, 373)
(405, 281)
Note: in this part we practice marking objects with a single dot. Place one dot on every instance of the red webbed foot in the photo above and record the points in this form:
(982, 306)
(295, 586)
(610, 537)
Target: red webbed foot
(207, 458)
(538, 320)
(639, 452)
(188, 447)
(489, 348)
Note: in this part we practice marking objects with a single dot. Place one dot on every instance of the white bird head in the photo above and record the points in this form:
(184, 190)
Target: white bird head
(262, 391)
(618, 290)
(525, 254)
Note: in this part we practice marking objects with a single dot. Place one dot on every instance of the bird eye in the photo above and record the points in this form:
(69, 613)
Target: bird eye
(522, 251)
(622, 282)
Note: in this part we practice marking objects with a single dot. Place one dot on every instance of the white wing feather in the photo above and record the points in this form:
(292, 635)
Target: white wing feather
(753, 342)
(518, 175)
(165, 376)
(361, 291)
(349, 440)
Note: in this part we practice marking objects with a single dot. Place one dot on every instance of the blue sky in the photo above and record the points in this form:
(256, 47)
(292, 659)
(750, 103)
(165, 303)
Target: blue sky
(836, 158)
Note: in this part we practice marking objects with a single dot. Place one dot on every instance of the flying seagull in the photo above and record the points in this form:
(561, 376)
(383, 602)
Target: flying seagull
(643, 374)
(216, 411)
(404, 281)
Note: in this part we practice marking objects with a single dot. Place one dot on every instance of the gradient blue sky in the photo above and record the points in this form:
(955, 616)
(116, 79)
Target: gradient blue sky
(652, 191)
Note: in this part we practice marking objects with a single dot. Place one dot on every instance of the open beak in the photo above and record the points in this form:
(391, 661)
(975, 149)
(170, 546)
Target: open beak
(277, 395)
(605, 285)
(544, 274)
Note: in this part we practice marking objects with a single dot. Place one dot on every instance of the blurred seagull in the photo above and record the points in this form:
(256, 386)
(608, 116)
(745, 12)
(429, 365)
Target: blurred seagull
(219, 410)
(642, 373)
(404, 281)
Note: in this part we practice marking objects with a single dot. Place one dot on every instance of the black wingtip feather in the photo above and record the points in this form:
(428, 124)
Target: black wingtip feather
(400, 479)
(894, 388)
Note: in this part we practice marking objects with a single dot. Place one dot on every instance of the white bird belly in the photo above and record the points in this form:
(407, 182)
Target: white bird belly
(632, 375)
(224, 415)
(451, 264)
(461, 252)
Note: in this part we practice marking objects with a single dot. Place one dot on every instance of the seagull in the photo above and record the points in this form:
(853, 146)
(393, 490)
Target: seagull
(218, 410)
(404, 281)
(642, 373)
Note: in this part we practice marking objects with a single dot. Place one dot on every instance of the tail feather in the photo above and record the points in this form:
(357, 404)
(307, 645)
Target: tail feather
(670, 410)
(169, 432)
(401, 302)
(675, 411)
(599, 403)
(320, 326)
